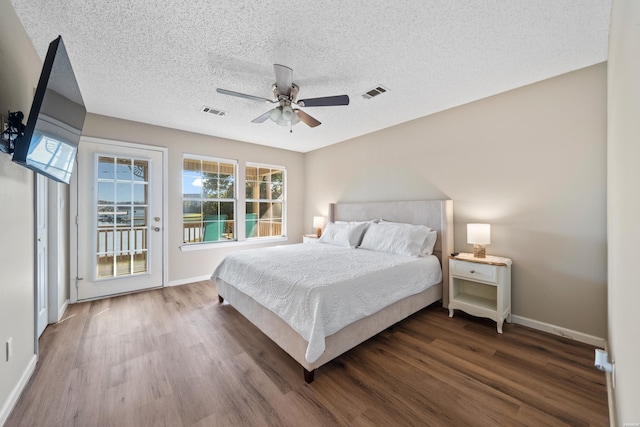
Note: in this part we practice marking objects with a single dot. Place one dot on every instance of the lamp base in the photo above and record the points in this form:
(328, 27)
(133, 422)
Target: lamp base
(479, 251)
(318, 231)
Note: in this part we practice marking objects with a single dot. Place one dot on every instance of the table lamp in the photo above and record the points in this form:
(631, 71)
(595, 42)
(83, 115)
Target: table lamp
(479, 235)
(318, 222)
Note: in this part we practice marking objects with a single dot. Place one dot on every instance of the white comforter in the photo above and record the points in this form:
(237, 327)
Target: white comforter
(318, 288)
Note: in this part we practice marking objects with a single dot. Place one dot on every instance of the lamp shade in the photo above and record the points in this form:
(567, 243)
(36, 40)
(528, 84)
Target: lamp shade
(318, 221)
(479, 234)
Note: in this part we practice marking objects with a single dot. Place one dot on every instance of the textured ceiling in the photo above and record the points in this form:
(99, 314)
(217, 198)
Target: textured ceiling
(161, 62)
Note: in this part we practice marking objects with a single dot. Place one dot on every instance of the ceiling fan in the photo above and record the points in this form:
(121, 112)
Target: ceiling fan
(285, 93)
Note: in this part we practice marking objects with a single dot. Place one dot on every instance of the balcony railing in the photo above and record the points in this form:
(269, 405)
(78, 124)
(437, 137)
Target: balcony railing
(195, 232)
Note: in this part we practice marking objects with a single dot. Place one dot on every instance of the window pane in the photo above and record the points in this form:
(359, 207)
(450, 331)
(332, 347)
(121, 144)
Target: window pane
(139, 217)
(226, 186)
(276, 210)
(265, 210)
(276, 185)
(251, 207)
(209, 167)
(192, 220)
(140, 170)
(191, 186)
(252, 173)
(106, 168)
(263, 190)
(106, 193)
(106, 216)
(105, 266)
(123, 216)
(140, 194)
(227, 208)
(251, 191)
(123, 193)
(123, 265)
(210, 208)
(124, 170)
(192, 165)
(210, 186)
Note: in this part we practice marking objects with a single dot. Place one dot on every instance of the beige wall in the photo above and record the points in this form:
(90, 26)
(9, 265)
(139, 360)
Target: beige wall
(624, 205)
(183, 266)
(19, 72)
(531, 162)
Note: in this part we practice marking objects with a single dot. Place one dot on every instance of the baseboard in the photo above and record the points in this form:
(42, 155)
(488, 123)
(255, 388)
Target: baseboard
(190, 280)
(557, 330)
(62, 310)
(11, 401)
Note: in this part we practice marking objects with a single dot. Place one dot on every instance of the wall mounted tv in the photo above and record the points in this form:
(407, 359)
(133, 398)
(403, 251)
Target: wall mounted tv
(51, 136)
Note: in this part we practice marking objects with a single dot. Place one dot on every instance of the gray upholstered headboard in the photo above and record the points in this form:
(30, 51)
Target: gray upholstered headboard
(436, 214)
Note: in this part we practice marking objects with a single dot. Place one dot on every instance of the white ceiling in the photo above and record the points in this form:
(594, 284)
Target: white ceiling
(161, 62)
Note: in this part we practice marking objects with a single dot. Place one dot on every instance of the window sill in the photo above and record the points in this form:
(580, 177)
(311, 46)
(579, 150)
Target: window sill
(216, 245)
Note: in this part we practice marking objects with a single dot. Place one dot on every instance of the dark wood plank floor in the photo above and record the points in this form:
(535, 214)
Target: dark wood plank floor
(175, 357)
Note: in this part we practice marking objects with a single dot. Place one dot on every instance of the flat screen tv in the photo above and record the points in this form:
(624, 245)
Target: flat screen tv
(51, 136)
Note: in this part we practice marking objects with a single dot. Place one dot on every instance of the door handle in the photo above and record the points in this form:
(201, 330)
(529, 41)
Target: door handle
(156, 229)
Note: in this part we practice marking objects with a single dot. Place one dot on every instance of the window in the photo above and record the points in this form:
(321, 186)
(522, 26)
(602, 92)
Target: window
(122, 206)
(208, 199)
(264, 200)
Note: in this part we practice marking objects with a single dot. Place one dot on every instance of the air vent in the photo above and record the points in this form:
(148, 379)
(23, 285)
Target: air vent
(214, 111)
(378, 90)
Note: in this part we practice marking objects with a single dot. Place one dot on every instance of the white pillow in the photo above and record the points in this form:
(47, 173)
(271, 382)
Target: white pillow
(343, 234)
(395, 238)
(429, 243)
(366, 223)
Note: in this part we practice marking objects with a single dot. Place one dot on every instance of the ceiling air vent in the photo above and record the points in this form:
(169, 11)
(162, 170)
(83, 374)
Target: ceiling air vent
(378, 90)
(214, 111)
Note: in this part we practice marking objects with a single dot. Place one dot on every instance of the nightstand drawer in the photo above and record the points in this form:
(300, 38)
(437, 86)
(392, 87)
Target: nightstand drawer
(475, 271)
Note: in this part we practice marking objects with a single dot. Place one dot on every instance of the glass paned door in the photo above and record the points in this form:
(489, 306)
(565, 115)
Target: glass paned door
(120, 224)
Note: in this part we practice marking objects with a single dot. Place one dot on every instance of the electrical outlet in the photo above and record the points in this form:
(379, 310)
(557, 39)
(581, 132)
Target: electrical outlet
(9, 348)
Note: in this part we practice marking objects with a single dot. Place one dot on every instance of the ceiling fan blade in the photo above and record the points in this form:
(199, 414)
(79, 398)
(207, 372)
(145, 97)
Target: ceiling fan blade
(284, 78)
(326, 101)
(307, 119)
(244, 95)
(263, 117)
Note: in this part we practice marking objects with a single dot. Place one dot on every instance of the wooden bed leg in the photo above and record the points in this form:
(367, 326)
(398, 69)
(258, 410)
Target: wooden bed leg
(220, 299)
(308, 375)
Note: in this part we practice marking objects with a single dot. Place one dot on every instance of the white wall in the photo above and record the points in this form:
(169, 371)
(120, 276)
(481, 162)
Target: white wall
(532, 162)
(624, 205)
(184, 266)
(19, 73)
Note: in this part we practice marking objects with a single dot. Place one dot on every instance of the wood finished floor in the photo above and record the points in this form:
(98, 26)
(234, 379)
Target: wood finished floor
(175, 357)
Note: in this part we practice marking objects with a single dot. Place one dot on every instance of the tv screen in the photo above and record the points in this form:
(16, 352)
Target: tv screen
(50, 140)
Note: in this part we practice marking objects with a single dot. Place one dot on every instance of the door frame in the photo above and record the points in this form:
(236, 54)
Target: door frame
(73, 211)
(43, 291)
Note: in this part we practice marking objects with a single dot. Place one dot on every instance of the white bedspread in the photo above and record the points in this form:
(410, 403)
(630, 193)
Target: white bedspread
(318, 288)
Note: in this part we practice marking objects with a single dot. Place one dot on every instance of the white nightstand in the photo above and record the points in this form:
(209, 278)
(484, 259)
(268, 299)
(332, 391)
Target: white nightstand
(310, 238)
(481, 287)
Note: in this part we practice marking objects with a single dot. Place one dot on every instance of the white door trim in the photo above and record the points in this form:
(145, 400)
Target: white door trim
(41, 260)
(73, 211)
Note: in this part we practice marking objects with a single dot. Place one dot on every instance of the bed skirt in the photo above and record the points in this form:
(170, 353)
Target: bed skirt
(345, 339)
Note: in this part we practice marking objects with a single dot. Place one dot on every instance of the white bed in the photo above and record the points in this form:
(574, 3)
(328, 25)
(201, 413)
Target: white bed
(337, 329)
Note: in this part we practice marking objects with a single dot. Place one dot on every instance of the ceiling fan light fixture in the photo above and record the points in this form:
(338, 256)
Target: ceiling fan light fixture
(287, 113)
(276, 114)
(284, 122)
(285, 94)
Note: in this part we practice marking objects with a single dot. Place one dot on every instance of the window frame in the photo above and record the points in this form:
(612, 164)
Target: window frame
(240, 208)
(235, 200)
(282, 169)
